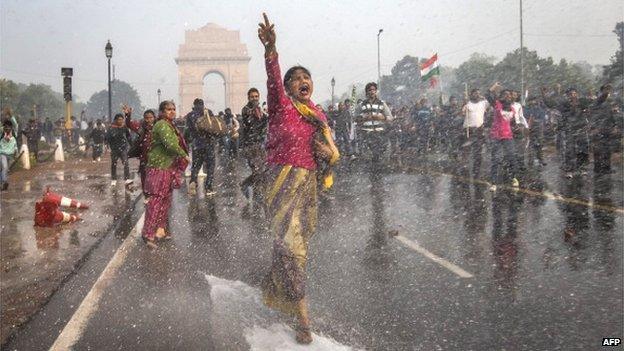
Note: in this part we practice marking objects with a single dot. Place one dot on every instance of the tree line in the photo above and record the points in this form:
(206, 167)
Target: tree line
(39, 100)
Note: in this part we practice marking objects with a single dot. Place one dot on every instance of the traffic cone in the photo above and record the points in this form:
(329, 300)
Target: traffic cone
(58, 153)
(47, 214)
(62, 201)
(25, 156)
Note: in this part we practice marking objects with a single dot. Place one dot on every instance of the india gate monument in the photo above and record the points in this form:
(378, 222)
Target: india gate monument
(212, 49)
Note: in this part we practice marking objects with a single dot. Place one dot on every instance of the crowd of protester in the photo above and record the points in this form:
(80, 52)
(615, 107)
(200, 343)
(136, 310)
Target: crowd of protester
(515, 134)
(577, 125)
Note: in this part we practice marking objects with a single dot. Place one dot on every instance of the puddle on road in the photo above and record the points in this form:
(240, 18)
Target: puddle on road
(280, 337)
(238, 306)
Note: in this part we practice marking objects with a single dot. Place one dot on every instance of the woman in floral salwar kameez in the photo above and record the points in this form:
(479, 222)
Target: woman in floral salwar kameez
(166, 160)
(292, 189)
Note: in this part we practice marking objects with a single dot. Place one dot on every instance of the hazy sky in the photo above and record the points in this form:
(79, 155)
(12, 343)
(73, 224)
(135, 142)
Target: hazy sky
(331, 38)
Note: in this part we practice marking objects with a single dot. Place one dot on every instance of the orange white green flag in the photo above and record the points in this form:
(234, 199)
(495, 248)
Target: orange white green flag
(430, 71)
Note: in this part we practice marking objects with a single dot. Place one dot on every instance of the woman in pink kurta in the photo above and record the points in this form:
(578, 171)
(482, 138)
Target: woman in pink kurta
(291, 194)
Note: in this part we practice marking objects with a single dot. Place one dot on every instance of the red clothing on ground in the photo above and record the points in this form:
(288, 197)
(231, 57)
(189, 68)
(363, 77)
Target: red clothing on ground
(290, 137)
(501, 126)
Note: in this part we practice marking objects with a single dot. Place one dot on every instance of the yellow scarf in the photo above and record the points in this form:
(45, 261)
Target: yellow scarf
(311, 117)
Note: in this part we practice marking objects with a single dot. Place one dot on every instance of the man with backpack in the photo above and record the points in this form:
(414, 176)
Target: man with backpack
(202, 148)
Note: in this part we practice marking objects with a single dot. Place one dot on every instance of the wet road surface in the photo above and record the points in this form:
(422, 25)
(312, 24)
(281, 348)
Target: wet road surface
(35, 261)
(545, 274)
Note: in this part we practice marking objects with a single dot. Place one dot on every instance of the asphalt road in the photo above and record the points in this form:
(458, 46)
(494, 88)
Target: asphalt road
(400, 261)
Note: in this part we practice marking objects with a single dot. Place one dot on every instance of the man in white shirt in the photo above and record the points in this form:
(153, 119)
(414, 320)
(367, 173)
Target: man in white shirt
(474, 133)
(520, 128)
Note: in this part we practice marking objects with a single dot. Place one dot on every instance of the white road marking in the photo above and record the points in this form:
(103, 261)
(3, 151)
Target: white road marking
(439, 260)
(75, 327)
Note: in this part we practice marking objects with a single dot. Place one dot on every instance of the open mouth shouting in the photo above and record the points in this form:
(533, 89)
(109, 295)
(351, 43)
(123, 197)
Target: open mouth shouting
(304, 90)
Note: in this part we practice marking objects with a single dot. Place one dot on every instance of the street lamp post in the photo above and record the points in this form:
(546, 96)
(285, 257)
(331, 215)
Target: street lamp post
(333, 84)
(158, 92)
(109, 54)
(378, 60)
(521, 58)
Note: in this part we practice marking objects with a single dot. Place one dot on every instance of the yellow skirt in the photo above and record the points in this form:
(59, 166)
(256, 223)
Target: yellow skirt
(291, 203)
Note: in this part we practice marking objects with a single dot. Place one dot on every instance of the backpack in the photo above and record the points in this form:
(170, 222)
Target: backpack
(209, 124)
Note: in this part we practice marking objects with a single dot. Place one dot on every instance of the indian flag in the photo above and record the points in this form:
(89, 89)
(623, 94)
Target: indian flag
(429, 71)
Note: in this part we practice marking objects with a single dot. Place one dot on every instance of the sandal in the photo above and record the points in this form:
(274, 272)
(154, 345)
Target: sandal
(150, 243)
(303, 335)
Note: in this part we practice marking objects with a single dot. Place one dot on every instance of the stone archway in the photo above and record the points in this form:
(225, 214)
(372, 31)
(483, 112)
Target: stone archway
(212, 49)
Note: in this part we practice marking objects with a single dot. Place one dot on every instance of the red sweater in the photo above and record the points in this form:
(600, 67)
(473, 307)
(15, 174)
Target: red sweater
(290, 137)
(501, 126)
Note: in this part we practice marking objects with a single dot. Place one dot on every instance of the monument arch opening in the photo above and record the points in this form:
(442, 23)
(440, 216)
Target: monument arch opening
(215, 91)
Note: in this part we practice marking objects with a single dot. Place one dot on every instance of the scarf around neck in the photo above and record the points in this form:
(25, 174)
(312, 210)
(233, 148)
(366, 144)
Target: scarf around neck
(310, 116)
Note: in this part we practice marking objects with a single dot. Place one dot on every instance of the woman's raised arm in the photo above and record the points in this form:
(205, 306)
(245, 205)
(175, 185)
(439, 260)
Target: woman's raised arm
(275, 88)
(266, 33)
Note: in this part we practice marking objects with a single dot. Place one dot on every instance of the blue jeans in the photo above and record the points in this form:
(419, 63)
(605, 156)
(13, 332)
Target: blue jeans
(5, 161)
(503, 149)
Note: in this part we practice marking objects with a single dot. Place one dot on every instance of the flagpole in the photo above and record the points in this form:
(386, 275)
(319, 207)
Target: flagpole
(440, 75)
(521, 58)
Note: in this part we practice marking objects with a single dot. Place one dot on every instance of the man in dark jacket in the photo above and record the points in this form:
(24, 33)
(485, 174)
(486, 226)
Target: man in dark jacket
(231, 139)
(33, 134)
(575, 125)
(253, 133)
(606, 129)
(536, 117)
(48, 129)
(423, 119)
(202, 148)
(342, 125)
(450, 128)
(118, 139)
(97, 136)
